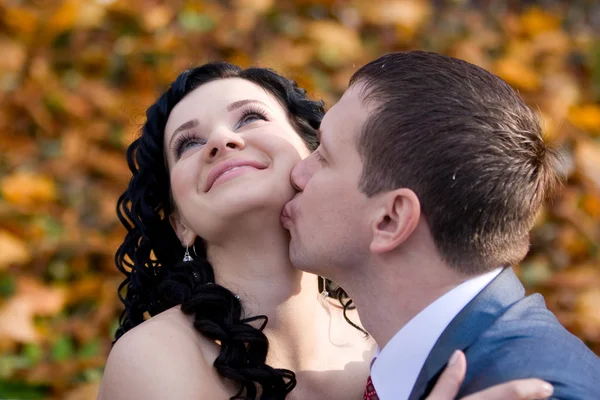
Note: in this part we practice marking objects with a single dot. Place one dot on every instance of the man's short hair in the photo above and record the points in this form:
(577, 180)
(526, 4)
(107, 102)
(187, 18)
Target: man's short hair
(465, 142)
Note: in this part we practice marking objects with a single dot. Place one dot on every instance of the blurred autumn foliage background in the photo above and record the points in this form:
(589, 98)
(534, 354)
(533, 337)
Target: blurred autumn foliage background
(76, 77)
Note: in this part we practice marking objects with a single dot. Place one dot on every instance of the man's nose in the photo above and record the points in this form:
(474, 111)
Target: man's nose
(222, 142)
(301, 174)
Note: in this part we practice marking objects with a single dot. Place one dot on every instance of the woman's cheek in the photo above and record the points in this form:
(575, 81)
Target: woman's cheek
(181, 182)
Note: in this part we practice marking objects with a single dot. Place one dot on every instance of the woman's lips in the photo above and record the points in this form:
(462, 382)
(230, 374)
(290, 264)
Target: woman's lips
(232, 173)
(229, 169)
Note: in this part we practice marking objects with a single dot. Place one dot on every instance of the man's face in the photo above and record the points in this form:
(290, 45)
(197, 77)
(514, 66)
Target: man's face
(327, 220)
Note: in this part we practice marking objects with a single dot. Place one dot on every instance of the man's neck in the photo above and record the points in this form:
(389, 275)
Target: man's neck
(389, 295)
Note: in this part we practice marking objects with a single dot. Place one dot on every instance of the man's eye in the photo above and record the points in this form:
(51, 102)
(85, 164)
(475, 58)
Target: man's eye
(319, 157)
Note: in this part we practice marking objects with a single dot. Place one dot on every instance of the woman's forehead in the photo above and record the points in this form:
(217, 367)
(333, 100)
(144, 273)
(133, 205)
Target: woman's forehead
(214, 98)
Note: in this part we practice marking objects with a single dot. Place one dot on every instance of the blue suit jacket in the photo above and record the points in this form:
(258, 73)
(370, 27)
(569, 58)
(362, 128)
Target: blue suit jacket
(507, 336)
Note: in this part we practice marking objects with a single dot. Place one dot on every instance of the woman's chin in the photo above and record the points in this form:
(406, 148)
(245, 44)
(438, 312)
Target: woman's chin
(251, 203)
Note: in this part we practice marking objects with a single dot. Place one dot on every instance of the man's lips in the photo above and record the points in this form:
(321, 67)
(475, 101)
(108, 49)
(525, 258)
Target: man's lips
(285, 216)
(229, 168)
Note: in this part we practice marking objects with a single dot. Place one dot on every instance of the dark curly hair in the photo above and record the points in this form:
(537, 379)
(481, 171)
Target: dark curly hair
(151, 255)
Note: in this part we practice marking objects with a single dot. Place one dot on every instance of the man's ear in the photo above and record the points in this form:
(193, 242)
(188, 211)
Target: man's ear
(186, 235)
(396, 218)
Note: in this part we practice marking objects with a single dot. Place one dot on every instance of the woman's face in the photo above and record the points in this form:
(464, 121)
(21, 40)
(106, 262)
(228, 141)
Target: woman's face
(230, 150)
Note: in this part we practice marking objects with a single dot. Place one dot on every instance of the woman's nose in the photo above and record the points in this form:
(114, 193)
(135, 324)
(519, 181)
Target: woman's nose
(222, 142)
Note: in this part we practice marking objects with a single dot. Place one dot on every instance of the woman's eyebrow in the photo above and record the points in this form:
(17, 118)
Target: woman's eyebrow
(184, 127)
(240, 103)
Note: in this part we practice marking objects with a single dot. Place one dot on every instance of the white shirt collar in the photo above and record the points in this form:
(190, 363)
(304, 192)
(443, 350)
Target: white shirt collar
(399, 363)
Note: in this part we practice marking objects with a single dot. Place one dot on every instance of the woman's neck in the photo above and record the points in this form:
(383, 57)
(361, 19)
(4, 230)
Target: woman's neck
(254, 264)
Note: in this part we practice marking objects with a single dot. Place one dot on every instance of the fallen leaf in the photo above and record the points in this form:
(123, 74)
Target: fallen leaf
(587, 158)
(536, 20)
(13, 250)
(336, 44)
(589, 313)
(157, 17)
(517, 74)
(28, 188)
(586, 117)
(23, 20)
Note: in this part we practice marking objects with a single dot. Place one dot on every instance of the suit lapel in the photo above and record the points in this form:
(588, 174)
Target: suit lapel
(477, 316)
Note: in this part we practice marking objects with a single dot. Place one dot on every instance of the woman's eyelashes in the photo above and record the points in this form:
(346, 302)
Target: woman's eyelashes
(186, 141)
(191, 139)
(251, 114)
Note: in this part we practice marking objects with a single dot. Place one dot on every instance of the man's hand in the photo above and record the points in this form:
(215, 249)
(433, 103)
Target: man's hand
(449, 383)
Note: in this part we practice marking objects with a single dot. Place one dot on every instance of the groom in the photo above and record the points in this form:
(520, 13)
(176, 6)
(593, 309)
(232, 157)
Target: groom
(420, 197)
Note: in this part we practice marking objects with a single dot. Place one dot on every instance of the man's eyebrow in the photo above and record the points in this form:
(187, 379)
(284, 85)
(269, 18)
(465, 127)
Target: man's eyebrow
(192, 123)
(241, 103)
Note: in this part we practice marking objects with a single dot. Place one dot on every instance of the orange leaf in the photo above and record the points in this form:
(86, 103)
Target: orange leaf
(87, 391)
(12, 250)
(336, 44)
(587, 157)
(16, 322)
(13, 55)
(535, 21)
(589, 312)
(408, 14)
(27, 188)
(586, 117)
(157, 17)
(64, 17)
(517, 74)
(256, 6)
(21, 19)
(31, 299)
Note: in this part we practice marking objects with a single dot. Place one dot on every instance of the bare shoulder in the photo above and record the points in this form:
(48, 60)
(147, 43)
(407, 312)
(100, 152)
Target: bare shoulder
(162, 358)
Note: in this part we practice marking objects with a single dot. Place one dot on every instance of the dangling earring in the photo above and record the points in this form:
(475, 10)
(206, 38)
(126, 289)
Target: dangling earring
(187, 257)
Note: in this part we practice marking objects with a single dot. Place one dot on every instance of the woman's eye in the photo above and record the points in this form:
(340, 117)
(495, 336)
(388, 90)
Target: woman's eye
(251, 117)
(187, 144)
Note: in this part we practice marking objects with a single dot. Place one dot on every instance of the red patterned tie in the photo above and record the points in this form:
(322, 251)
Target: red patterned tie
(370, 393)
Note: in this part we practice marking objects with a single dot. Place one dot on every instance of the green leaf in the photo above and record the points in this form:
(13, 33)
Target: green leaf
(90, 349)
(195, 22)
(596, 70)
(22, 390)
(63, 349)
(7, 285)
(33, 353)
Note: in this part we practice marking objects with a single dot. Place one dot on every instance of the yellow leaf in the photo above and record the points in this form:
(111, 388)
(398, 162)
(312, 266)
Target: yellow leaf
(577, 278)
(44, 300)
(591, 205)
(64, 17)
(586, 117)
(587, 158)
(336, 44)
(31, 299)
(517, 74)
(535, 21)
(87, 391)
(157, 17)
(21, 19)
(589, 312)
(12, 250)
(409, 14)
(13, 55)
(91, 15)
(16, 322)
(27, 188)
(256, 6)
